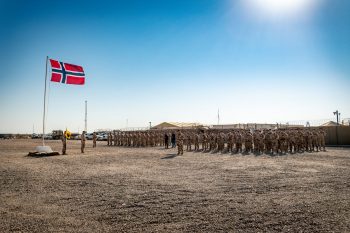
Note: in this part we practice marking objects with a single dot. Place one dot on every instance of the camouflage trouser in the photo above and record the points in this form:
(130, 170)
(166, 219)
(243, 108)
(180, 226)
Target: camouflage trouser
(275, 146)
(204, 145)
(64, 149)
(94, 143)
(305, 144)
(211, 145)
(180, 148)
(188, 146)
(283, 146)
(221, 146)
(261, 146)
(315, 144)
(323, 143)
(238, 147)
(196, 146)
(268, 146)
(309, 144)
(82, 147)
(229, 147)
(256, 146)
(248, 146)
(292, 146)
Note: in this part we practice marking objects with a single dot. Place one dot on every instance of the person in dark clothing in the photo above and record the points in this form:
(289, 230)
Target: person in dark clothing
(166, 140)
(173, 140)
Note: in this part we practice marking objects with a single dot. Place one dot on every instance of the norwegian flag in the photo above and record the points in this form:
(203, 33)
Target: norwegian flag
(67, 73)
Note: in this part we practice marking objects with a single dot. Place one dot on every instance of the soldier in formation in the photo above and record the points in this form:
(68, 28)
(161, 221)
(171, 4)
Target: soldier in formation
(180, 142)
(166, 140)
(269, 141)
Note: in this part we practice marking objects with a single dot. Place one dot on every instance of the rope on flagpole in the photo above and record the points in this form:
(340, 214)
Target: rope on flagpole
(47, 58)
(48, 102)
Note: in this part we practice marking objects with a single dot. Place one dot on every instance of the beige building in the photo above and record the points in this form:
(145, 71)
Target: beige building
(329, 123)
(177, 125)
(254, 126)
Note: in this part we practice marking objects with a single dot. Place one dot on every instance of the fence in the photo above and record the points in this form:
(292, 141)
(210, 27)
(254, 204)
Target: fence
(337, 135)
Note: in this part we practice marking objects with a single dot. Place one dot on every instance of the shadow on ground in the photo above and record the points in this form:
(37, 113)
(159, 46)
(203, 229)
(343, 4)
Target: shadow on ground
(170, 156)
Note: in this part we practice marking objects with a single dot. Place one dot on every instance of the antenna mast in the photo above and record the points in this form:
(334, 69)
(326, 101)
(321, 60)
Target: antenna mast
(85, 116)
(218, 117)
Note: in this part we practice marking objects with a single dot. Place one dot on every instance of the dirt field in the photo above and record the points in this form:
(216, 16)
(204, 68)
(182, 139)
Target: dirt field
(110, 189)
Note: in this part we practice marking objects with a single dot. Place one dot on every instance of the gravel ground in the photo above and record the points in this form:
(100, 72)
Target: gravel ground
(111, 189)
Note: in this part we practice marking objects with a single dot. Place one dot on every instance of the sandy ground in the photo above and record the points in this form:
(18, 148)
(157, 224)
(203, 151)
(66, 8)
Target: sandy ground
(110, 189)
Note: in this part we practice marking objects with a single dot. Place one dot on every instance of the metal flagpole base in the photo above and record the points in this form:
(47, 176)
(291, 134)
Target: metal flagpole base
(42, 151)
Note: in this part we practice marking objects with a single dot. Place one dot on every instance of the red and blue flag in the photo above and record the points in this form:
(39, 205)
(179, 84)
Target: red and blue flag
(67, 73)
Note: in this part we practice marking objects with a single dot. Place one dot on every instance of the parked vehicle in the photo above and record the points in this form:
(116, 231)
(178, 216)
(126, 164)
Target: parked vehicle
(48, 136)
(89, 136)
(34, 135)
(100, 137)
(57, 134)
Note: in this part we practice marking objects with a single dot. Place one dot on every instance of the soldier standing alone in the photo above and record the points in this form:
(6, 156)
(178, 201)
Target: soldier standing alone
(64, 143)
(94, 138)
(83, 142)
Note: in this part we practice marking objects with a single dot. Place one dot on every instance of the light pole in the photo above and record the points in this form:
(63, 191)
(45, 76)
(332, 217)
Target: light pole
(337, 113)
(336, 128)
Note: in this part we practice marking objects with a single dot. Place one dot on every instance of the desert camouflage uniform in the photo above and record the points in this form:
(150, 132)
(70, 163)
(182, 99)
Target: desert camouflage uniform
(220, 141)
(64, 143)
(230, 142)
(322, 139)
(94, 138)
(239, 141)
(196, 141)
(283, 142)
(82, 139)
(314, 141)
(180, 143)
(248, 142)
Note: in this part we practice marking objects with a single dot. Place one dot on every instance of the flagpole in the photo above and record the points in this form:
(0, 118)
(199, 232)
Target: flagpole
(47, 58)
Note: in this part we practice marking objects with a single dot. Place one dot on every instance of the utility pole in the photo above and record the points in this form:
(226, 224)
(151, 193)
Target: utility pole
(336, 128)
(85, 116)
(218, 117)
(337, 113)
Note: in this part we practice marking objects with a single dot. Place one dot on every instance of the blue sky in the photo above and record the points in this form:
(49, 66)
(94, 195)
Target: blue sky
(174, 60)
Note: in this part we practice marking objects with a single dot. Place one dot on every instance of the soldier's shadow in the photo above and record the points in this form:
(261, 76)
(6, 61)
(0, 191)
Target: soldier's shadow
(170, 156)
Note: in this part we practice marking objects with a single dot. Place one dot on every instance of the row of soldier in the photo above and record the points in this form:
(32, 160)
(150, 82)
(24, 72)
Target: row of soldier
(147, 138)
(231, 141)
